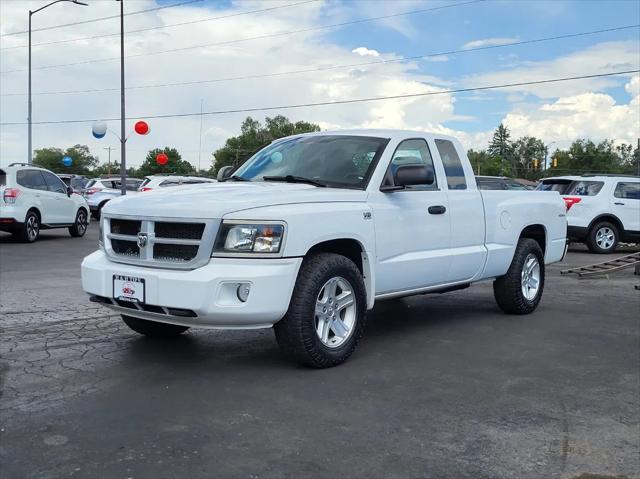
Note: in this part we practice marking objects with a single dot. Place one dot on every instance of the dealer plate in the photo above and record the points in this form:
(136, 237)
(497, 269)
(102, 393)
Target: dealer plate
(128, 288)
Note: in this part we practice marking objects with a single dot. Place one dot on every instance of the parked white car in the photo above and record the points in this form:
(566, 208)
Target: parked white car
(155, 182)
(34, 199)
(98, 184)
(602, 210)
(97, 198)
(312, 231)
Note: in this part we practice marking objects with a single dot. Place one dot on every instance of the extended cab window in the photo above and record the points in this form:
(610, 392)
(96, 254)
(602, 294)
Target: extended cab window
(585, 188)
(54, 183)
(452, 165)
(410, 152)
(628, 191)
(31, 179)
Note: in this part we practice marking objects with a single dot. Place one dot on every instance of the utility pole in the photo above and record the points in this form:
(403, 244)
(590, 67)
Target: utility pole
(123, 139)
(108, 148)
(200, 144)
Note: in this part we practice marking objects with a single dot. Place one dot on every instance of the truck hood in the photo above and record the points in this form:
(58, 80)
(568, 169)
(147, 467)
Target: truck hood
(214, 200)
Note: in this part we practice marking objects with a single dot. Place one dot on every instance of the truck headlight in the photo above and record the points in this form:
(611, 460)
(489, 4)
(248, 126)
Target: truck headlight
(249, 238)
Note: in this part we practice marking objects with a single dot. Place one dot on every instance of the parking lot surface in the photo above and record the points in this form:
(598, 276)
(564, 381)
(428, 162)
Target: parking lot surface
(442, 386)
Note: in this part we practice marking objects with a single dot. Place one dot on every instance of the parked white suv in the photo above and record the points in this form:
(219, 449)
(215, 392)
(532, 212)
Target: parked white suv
(602, 210)
(33, 198)
(155, 182)
(312, 231)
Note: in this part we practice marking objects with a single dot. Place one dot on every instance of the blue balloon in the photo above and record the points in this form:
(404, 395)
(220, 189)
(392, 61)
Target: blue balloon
(67, 161)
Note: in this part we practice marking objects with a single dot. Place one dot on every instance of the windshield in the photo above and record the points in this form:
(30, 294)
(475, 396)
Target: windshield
(333, 160)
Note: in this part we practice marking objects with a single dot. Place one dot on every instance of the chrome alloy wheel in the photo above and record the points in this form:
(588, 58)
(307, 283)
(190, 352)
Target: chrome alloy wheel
(336, 312)
(530, 277)
(33, 227)
(81, 222)
(605, 237)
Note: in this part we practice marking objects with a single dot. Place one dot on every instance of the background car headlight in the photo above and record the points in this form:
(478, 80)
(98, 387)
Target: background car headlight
(249, 238)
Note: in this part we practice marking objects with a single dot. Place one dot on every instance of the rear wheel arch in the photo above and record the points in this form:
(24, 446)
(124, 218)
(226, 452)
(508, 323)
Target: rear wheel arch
(354, 250)
(36, 211)
(611, 218)
(538, 233)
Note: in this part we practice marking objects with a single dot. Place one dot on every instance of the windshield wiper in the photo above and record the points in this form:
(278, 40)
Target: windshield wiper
(236, 178)
(294, 179)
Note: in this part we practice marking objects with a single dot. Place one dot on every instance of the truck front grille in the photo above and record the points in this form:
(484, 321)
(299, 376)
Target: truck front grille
(163, 243)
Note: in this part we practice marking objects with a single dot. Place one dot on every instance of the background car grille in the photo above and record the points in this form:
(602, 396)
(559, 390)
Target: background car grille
(164, 244)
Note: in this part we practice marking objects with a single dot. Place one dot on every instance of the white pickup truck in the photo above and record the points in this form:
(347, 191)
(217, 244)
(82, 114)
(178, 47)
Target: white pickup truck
(311, 231)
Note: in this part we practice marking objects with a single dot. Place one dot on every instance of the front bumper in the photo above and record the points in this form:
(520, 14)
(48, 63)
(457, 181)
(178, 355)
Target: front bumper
(209, 292)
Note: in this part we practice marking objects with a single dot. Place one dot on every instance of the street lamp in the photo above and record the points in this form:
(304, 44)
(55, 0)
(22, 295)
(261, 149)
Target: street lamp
(31, 13)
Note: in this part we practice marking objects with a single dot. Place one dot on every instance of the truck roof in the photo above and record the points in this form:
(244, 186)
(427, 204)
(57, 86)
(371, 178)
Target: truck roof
(382, 133)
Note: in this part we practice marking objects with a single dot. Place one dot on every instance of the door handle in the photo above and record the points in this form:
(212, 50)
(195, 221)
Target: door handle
(437, 210)
(620, 203)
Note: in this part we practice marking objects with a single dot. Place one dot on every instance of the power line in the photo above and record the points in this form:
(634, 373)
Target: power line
(335, 67)
(259, 37)
(337, 102)
(69, 40)
(83, 22)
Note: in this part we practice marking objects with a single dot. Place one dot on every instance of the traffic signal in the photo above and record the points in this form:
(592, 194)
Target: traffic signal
(535, 164)
(554, 163)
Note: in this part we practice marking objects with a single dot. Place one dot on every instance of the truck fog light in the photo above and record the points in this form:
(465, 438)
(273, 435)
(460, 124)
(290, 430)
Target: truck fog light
(243, 291)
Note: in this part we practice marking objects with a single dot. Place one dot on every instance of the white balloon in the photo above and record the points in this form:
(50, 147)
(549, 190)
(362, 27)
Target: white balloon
(99, 129)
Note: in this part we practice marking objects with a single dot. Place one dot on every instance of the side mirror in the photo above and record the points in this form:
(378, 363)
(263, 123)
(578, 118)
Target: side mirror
(224, 173)
(409, 175)
(69, 191)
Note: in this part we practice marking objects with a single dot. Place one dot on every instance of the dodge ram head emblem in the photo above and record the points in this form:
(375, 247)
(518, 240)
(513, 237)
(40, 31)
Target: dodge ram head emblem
(142, 240)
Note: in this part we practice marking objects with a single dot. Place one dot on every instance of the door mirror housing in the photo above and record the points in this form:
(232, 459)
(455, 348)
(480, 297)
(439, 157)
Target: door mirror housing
(69, 191)
(224, 173)
(411, 175)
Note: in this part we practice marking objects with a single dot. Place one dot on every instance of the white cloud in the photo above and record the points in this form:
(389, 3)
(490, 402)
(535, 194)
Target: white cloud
(487, 42)
(365, 52)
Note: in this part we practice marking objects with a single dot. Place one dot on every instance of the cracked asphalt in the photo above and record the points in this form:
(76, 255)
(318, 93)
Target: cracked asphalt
(442, 386)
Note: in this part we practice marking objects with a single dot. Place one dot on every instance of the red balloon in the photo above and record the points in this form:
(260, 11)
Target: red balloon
(141, 127)
(162, 159)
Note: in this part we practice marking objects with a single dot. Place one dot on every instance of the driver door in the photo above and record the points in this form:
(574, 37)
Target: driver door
(64, 206)
(412, 227)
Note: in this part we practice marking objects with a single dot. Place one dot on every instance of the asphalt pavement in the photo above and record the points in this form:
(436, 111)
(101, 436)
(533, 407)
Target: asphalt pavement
(441, 386)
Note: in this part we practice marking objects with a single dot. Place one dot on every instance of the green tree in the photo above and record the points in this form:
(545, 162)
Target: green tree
(485, 164)
(526, 151)
(83, 162)
(585, 156)
(175, 164)
(254, 136)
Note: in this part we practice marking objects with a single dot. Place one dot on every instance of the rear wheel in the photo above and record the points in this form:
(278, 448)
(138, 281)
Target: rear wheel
(153, 328)
(603, 238)
(519, 291)
(30, 229)
(79, 228)
(326, 315)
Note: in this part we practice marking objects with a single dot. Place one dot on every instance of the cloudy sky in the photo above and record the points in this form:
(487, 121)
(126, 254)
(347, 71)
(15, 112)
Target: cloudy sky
(236, 55)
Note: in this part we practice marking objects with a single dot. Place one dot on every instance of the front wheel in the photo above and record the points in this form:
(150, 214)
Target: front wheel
(79, 228)
(327, 312)
(153, 328)
(520, 289)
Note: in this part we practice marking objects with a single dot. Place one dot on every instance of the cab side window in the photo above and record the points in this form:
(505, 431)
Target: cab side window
(411, 152)
(54, 183)
(452, 165)
(32, 179)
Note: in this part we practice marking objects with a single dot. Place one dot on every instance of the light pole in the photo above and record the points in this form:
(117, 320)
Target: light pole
(29, 119)
(109, 163)
(123, 149)
(546, 153)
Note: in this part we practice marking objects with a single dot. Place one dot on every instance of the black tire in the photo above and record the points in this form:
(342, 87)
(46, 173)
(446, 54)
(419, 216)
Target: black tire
(153, 328)
(79, 228)
(95, 214)
(603, 237)
(296, 332)
(508, 289)
(30, 229)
